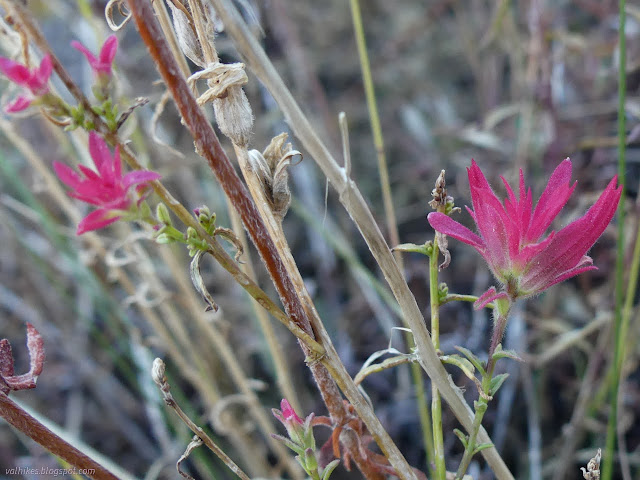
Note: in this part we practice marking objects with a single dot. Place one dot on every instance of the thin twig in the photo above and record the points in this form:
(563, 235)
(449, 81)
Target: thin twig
(159, 377)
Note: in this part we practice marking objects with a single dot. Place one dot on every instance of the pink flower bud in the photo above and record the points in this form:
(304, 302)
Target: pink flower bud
(102, 64)
(289, 413)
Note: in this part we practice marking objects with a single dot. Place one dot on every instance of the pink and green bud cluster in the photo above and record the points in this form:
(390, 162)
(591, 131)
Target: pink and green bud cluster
(34, 81)
(299, 431)
(301, 440)
(511, 235)
(115, 194)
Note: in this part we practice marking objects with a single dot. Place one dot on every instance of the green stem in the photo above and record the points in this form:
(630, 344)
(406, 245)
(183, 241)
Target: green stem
(607, 468)
(387, 199)
(480, 409)
(423, 413)
(480, 406)
(436, 403)
(376, 129)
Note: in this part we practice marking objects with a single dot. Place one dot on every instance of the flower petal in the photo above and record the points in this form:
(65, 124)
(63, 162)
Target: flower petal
(86, 52)
(108, 50)
(67, 175)
(89, 173)
(117, 164)
(488, 297)
(95, 220)
(552, 200)
(567, 249)
(40, 78)
(14, 71)
(101, 156)
(445, 224)
(139, 176)
(19, 104)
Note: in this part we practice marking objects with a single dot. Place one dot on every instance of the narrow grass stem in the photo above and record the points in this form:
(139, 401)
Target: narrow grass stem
(387, 199)
(424, 414)
(440, 470)
(376, 129)
(618, 338)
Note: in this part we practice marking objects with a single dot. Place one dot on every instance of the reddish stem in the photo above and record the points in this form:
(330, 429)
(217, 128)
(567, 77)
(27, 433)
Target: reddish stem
(209, 147)
(22, 421)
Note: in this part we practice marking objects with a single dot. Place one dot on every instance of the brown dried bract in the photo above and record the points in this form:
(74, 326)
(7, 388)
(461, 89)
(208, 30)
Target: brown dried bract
(439, 194)
(592, 471)
(9, 381)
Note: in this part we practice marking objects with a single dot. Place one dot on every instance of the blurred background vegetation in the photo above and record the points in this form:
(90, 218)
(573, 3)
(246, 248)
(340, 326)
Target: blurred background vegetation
(510, 84)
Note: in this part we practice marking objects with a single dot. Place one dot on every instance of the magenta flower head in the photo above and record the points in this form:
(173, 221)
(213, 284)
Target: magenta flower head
(107, 188)
(101, 65)
(34, 80)
(510, 234)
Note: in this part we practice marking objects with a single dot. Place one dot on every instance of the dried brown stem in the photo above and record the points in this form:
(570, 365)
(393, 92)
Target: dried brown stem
(25, 423)
(208, 146)
(331, 361)
(355, 204)
(159, 377)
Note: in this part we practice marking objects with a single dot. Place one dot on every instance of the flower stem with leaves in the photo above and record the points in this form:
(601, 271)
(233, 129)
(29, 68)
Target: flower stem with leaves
(440, 469)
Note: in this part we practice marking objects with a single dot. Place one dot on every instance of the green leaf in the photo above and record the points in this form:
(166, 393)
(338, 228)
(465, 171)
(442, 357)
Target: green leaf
(472, 358)
(462, 363)
(499, 353)
(463, 438)
(412, 247)
(293, 446)
(482, 446)
(496, 383)
(328, 470)
(480, 405)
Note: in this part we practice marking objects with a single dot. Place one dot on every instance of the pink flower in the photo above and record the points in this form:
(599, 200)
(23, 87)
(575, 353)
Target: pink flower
(289, 413)
(510, 234)
(102, 64)
(107, 188)
(35, 80)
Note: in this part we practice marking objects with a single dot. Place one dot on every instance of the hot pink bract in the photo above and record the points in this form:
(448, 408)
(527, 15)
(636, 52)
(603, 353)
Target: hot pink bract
(107, 188)
(101, 65)
(510, 234)
(35, 80)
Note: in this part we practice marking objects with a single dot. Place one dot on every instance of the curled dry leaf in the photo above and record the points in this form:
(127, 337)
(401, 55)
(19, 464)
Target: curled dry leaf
(9, 381)
(198, 281)
(271, 167)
